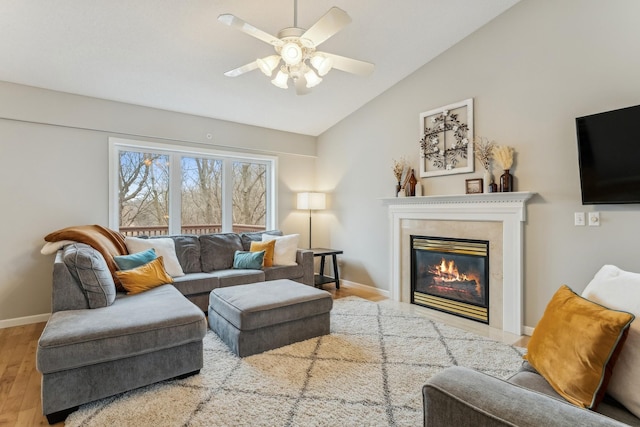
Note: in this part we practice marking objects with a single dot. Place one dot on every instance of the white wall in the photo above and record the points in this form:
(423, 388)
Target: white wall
(531, 71)
(53, 174)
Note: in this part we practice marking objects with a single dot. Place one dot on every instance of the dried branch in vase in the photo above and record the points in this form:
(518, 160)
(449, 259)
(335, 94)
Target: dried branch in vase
(503, 155)
(399, 167)
(483, 149)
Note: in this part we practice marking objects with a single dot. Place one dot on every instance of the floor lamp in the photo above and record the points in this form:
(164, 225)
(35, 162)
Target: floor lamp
(311, 202)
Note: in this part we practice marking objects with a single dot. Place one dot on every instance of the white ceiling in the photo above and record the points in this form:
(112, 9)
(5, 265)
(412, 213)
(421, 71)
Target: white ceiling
(171, 54)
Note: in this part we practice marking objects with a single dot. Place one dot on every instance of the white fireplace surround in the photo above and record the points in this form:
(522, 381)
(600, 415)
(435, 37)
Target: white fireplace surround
(506, 208)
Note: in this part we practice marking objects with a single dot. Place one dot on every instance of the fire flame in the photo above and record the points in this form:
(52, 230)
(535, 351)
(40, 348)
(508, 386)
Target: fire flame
(448, 272)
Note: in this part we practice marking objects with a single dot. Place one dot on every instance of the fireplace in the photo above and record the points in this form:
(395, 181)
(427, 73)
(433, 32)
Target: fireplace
(451, 275)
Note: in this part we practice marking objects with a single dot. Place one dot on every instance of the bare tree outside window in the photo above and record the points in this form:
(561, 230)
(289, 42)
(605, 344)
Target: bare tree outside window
(144, 189)
(201, 195)
(145, 202)
(249, 194)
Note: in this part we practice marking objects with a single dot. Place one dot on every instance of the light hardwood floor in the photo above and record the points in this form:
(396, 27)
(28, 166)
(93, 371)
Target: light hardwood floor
(20, 381)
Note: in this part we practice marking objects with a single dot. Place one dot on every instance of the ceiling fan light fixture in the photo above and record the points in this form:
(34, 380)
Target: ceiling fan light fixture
(268, 64)
(322, 63)
(281, 80)
(291, 53)
(312, 78)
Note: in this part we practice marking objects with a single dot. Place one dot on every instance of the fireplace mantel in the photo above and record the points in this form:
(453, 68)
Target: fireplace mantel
(507, 208)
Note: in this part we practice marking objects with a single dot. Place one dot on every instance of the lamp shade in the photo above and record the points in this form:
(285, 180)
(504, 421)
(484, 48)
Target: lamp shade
(312, 78)
(311, 201)
(281, 80)
(268, 64)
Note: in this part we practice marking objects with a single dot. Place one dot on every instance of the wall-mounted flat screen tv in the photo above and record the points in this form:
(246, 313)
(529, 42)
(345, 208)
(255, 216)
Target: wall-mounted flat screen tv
(609, 156)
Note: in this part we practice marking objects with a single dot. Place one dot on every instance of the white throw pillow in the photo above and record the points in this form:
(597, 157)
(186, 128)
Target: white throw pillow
(620, 290)
(164, 247)
(285, 249)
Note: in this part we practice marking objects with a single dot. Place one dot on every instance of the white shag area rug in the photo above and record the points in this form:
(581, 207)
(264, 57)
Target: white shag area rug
(369, 371)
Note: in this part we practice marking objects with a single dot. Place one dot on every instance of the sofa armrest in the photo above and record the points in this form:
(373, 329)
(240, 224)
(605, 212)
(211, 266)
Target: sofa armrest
(66, 292)
(460, 396)
(304, 257)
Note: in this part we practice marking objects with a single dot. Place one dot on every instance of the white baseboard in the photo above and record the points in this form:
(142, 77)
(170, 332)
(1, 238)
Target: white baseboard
(19, 321)
(349, 284)
(527, 330)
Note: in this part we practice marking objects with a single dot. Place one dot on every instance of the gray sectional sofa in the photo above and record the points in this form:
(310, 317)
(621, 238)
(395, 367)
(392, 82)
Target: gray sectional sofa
(207, 261)
(130, 341)
(461, 397)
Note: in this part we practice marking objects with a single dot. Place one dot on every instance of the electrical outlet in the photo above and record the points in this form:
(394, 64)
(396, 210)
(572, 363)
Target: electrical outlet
(594, 219)
(578, 218)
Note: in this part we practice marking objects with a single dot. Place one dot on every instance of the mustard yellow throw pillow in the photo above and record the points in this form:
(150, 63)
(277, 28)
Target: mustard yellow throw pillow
(575, 346)
(268, 248)
(145, 277)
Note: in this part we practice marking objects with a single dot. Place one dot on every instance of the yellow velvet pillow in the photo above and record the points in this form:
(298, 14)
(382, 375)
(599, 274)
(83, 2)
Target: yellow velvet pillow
(145, 277)
(575, 346)
(269, 250)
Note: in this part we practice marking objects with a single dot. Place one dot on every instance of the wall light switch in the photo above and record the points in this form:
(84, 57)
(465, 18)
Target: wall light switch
(578, 218)
(594, 219)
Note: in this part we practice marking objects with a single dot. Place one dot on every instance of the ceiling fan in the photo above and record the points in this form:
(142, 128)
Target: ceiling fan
(296, 51)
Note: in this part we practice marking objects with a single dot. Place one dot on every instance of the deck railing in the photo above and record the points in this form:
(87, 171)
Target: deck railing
(187, 229)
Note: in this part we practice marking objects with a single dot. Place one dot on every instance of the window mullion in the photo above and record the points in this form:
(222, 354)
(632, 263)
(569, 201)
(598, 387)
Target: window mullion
(175, 194)
(227, 195)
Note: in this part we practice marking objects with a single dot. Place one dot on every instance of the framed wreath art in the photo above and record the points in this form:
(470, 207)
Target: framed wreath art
(446, 134)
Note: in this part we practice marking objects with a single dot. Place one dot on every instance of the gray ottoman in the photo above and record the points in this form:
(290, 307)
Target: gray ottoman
(262, 316)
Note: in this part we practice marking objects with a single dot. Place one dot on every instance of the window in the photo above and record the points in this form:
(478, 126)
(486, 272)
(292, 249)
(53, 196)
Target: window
(159, 190)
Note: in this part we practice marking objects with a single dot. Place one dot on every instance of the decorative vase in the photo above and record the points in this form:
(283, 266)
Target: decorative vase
(486, 181)
(418, 189)
(398, 187)
(412, 185)
(506, 182)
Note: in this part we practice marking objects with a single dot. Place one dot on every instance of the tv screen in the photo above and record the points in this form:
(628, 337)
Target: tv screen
(609, 156)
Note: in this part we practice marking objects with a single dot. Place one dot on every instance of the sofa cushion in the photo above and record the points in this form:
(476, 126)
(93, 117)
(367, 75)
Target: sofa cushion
(575, 346)
(134, 324)
(256, 236)
(127, 262)
(89, 268)
(233, 277)
(248, 260)
(217, 250)
(145, 277)
(164, 247)
(285, 249)
(268, 248)
(188, 252)
(196, 283)
(620, 290)
(283, 272)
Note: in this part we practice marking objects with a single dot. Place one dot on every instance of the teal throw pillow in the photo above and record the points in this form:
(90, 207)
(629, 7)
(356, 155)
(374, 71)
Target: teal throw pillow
(131, 261)
(248, 260)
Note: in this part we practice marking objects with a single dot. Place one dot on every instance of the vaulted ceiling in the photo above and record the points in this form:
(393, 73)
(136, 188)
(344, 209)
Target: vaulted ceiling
(171, 54)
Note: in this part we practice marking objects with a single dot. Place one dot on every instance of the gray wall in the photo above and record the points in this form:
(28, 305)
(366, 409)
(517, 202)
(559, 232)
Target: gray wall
(53, 174)
(531, 71)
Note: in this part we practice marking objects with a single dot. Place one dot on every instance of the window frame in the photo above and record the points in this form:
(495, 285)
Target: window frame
(175, 153)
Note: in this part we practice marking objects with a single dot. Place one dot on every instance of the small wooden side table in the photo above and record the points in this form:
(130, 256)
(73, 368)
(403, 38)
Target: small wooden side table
(321, 279)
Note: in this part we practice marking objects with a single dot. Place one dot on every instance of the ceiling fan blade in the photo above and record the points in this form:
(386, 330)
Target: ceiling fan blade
(241, 70)
(235, 22)
(301, 86)
(350, 65)
(330, 23)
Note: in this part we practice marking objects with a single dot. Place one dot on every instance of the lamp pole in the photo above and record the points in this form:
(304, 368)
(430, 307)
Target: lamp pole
(309, 228)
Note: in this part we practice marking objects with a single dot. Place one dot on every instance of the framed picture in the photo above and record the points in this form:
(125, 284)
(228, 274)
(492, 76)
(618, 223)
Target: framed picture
(473, 186)
(446, 136)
